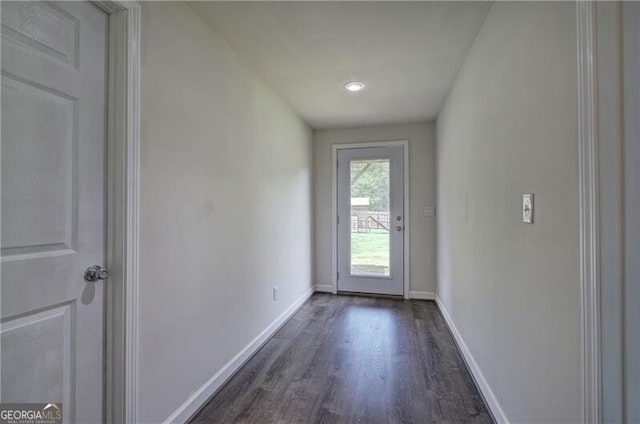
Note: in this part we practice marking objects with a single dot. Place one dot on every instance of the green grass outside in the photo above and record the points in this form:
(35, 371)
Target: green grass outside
(370, 249)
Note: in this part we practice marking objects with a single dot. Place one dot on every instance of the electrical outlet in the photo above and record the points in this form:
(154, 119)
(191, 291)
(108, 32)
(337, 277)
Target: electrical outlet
(275, 293)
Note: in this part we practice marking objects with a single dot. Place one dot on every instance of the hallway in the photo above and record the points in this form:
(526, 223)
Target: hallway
(187, 186)
(353, 359)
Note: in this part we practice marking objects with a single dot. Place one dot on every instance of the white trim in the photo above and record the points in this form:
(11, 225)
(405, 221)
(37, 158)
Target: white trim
(123, 141)
(334, 206)
(334, 218)
(324, 288)
(194, 402)
(413, 294)
(489, 397)
(589, 209)
(407, 221)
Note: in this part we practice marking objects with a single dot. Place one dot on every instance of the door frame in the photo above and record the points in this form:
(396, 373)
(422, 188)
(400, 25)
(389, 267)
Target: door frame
(123, 194)
(334, 206)
(605, 62)
(601, 128)
(589, 208)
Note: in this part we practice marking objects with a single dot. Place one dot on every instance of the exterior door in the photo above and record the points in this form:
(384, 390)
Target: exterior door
(54, 59)
(371, 220)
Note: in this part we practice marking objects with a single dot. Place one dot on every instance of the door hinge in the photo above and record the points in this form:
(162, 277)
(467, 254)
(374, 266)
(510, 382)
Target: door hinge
(337, 275)
(338, 220)
(337, 163)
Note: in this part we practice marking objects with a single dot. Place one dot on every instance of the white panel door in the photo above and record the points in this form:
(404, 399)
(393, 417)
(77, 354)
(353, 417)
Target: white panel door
(371, 220)
(54, 58)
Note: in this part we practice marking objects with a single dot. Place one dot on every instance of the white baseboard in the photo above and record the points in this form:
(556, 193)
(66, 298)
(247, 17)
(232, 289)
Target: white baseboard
(208, 389)
(482, 384)
(422, 295)
(325, 288)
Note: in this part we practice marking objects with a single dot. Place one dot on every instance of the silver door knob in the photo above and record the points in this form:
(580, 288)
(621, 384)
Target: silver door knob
(95, 273)
(399, 228)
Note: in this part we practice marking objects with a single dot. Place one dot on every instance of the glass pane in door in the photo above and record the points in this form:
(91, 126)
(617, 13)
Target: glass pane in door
(370, 223)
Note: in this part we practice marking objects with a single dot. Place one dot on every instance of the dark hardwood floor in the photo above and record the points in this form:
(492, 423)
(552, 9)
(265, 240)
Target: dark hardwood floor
(348, 359)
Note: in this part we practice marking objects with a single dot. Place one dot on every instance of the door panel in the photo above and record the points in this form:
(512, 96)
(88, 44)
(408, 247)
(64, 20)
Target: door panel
(41, 342)
(53, 205)
(38, 194)
(44, 27)
(371, 220)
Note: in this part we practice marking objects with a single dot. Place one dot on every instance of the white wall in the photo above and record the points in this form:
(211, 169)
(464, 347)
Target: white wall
(225, 207)
(509, 126)
(421, 138)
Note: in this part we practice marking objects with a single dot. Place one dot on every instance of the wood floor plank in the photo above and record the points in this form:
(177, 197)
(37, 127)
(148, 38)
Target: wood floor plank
(352, 359)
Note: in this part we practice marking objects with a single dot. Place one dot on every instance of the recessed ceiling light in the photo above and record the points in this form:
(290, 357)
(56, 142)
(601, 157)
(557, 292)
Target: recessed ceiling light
(354, 86)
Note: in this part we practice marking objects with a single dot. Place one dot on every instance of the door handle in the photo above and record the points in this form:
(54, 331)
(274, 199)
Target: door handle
(95, 273)
(399, 228)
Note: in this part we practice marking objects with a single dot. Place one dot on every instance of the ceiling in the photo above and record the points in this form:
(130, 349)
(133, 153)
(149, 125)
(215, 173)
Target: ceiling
(408, 54)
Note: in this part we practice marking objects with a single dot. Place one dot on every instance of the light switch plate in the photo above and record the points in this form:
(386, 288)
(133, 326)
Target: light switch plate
(429, 211)
(527, 208)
